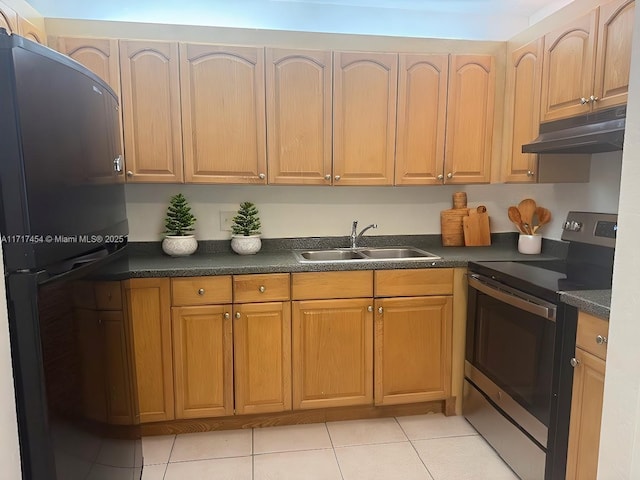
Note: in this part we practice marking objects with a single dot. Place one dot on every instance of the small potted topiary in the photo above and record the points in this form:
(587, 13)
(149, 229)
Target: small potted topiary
(246, 230)
(179, 242)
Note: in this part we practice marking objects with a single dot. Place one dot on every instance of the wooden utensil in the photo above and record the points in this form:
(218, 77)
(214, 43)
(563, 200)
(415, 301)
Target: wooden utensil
(476, 228)
(515, 217)
(544, 217)
(527, 209)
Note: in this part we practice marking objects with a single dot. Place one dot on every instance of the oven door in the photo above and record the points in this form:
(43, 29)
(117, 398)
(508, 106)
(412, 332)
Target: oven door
(510, 352)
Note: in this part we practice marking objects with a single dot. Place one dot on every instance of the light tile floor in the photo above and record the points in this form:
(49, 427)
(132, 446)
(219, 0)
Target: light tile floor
(421, 447)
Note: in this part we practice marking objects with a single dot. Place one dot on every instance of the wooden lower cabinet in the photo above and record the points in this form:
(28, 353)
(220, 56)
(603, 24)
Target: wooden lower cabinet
(412, 349)
(92, 365)
(149, 311)
(203, 361)
(262, 357)
(332, 353)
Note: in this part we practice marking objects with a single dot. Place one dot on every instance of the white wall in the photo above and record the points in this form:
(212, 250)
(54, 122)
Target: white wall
(288, 211)
(620, 436)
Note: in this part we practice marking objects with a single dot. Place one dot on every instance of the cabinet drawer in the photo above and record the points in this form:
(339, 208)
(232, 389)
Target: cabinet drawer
(318, 285)
(261, 288)
(411, 283)
(108, 295)
(200, 290)
(592, 335)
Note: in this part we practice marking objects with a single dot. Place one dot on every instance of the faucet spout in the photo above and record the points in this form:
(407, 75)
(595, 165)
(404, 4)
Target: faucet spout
(355, 236)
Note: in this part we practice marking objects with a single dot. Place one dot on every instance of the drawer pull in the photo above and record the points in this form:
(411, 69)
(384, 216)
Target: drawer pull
(380, 310)
(370, 308)
(574, 362)
(600, 340)
(201, 291)
(227, 316)
(238, 314)
(262, 289)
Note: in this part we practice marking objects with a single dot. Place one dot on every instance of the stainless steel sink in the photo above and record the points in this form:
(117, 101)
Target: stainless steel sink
(364, 255)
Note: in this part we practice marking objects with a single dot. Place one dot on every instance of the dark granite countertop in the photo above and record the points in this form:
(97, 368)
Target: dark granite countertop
(146, 260)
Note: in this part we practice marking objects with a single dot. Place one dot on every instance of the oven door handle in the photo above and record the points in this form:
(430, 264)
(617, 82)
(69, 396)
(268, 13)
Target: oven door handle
(514, 298)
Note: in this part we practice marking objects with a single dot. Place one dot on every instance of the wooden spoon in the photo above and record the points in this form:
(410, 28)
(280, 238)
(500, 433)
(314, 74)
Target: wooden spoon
(516, 218)
(527, 208)
(544, 217)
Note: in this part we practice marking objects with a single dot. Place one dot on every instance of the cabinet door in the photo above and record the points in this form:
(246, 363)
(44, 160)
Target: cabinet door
(422, 113)
(586, 416)
(262, 357)
(30, 31)
(223, 114)
(332, 353)
(119, 403)
(412, 349)
(100, 55)
(613, 62)
(522, 122)
(8, 19)
(299, 116)
(364, 118)
(470, 119)
(203, 361)
(92, 364)
(149, 315)
(567, 74)
(151, 111)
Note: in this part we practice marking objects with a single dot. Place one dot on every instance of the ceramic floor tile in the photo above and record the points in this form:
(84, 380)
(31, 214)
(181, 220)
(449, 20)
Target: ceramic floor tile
(157, 449)
(391, 461)
(363, 432)
(117, 453)
(290, 438)
(154, 472)
(304, 465)
(435, 425)
(462, 458)
(238, 468)
(207, 445)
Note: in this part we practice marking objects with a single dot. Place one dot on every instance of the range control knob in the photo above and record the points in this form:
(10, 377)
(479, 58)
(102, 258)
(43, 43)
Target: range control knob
(572, 226)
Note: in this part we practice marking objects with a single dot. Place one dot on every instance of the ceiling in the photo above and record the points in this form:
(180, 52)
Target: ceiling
(470, 19)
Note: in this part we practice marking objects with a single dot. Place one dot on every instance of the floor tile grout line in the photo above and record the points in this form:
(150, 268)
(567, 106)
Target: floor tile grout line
(173, 444)
(333, 447)
(415, 450)
(253, 451)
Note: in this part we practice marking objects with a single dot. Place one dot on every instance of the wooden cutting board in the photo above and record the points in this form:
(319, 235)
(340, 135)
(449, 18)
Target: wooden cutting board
(476, 228)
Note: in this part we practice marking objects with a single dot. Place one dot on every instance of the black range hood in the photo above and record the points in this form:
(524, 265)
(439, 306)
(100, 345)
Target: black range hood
(598, 132)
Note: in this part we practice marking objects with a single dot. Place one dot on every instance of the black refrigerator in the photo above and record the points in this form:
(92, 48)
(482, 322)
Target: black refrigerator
(64, 229)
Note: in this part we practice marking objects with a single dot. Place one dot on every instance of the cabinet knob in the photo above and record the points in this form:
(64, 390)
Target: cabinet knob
(262, 288)
(201, 291)
(584, 101)
(530, 173)
(129, 173)
(593, 99)
(337, 178)
(440, 177)
(227, 315)
(370, 308)
(574, 362)
(380, 310)
(600, 340)
(238, 314)
(327, 177)
(449, 175)
(262, 176)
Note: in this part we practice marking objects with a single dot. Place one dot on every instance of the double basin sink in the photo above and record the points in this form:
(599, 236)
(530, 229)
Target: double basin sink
(373, 254)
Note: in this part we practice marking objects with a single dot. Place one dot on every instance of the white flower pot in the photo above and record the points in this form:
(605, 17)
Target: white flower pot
(246, 244)
(179, 246)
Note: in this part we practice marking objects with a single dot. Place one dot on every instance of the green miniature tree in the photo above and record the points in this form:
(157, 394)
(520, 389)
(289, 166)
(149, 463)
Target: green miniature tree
(179, 220)
(246, 222)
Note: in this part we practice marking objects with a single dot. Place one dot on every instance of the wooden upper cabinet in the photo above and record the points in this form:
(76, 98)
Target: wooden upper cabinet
(613, 62)
(100, 55)
(422, 113)
(470, 112)
(299, 116)
(364, 118)
(569, 59)
(151, 111)
(8, 19)
(30, 31)
(223, 114)
(522, 120)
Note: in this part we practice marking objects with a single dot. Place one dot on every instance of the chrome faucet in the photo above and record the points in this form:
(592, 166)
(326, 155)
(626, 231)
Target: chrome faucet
(355, 236)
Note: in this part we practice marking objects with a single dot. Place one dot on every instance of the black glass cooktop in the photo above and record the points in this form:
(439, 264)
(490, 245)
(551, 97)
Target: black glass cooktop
(546, 278)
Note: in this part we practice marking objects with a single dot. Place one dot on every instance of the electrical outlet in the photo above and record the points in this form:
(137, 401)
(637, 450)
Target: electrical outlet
(226, 219)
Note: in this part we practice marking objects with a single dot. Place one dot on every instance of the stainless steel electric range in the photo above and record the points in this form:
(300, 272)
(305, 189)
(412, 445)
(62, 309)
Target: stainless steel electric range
(520, 339)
